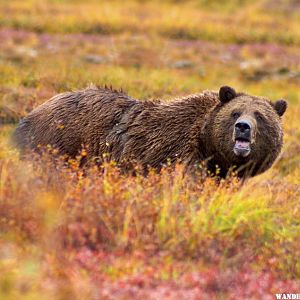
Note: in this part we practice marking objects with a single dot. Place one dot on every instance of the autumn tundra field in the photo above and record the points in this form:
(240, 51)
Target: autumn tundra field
(99, 234)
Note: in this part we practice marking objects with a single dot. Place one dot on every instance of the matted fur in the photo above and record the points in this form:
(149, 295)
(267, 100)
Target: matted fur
(111, 124)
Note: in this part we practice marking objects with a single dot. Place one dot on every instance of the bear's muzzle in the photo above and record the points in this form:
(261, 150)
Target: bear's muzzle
(243, 137)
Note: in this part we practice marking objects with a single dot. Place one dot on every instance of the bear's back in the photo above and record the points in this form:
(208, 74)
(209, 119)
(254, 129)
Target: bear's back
(69, 120)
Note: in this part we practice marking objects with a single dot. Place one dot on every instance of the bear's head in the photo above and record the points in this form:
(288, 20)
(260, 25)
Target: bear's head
(246, 132)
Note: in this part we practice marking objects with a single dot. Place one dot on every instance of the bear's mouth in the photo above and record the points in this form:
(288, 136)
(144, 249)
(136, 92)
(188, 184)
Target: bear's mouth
(242, 147)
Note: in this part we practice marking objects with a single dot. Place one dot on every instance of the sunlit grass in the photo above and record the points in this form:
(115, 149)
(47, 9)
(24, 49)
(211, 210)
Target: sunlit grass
(250, 22)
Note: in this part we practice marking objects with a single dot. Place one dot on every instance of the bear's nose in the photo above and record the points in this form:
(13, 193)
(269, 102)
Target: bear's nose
(243, 126)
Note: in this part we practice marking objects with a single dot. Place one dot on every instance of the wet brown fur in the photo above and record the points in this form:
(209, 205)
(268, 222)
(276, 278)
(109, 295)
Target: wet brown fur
(109, 123)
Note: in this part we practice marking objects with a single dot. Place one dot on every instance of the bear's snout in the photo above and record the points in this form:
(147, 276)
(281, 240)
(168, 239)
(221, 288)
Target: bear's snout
(243, 129)
(243, 136)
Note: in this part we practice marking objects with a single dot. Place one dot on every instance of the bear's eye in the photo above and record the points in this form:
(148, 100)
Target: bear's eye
(259, 116)
(235, 114)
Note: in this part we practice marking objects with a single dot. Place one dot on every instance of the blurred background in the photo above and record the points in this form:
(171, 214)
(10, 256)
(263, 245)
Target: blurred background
(149, 48)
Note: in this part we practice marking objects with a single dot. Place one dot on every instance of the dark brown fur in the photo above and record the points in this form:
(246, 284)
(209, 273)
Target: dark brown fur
(111, 124)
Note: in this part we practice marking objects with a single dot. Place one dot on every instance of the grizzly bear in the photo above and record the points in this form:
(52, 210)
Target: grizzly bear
(225, 130)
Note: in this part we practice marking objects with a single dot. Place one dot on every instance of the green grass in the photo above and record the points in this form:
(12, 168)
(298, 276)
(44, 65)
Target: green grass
(216, 21)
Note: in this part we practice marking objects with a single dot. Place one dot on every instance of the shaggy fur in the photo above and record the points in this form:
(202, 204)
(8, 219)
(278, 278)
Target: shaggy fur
(109, 123)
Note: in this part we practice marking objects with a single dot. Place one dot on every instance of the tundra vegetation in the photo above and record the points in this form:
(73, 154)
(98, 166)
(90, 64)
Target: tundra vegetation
(104, 235)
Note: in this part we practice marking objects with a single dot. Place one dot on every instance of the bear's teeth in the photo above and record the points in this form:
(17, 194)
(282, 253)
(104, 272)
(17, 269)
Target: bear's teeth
(242, 144)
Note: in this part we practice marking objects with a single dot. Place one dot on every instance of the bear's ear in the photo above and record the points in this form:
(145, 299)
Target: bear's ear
(226, 94)
(280, 106)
